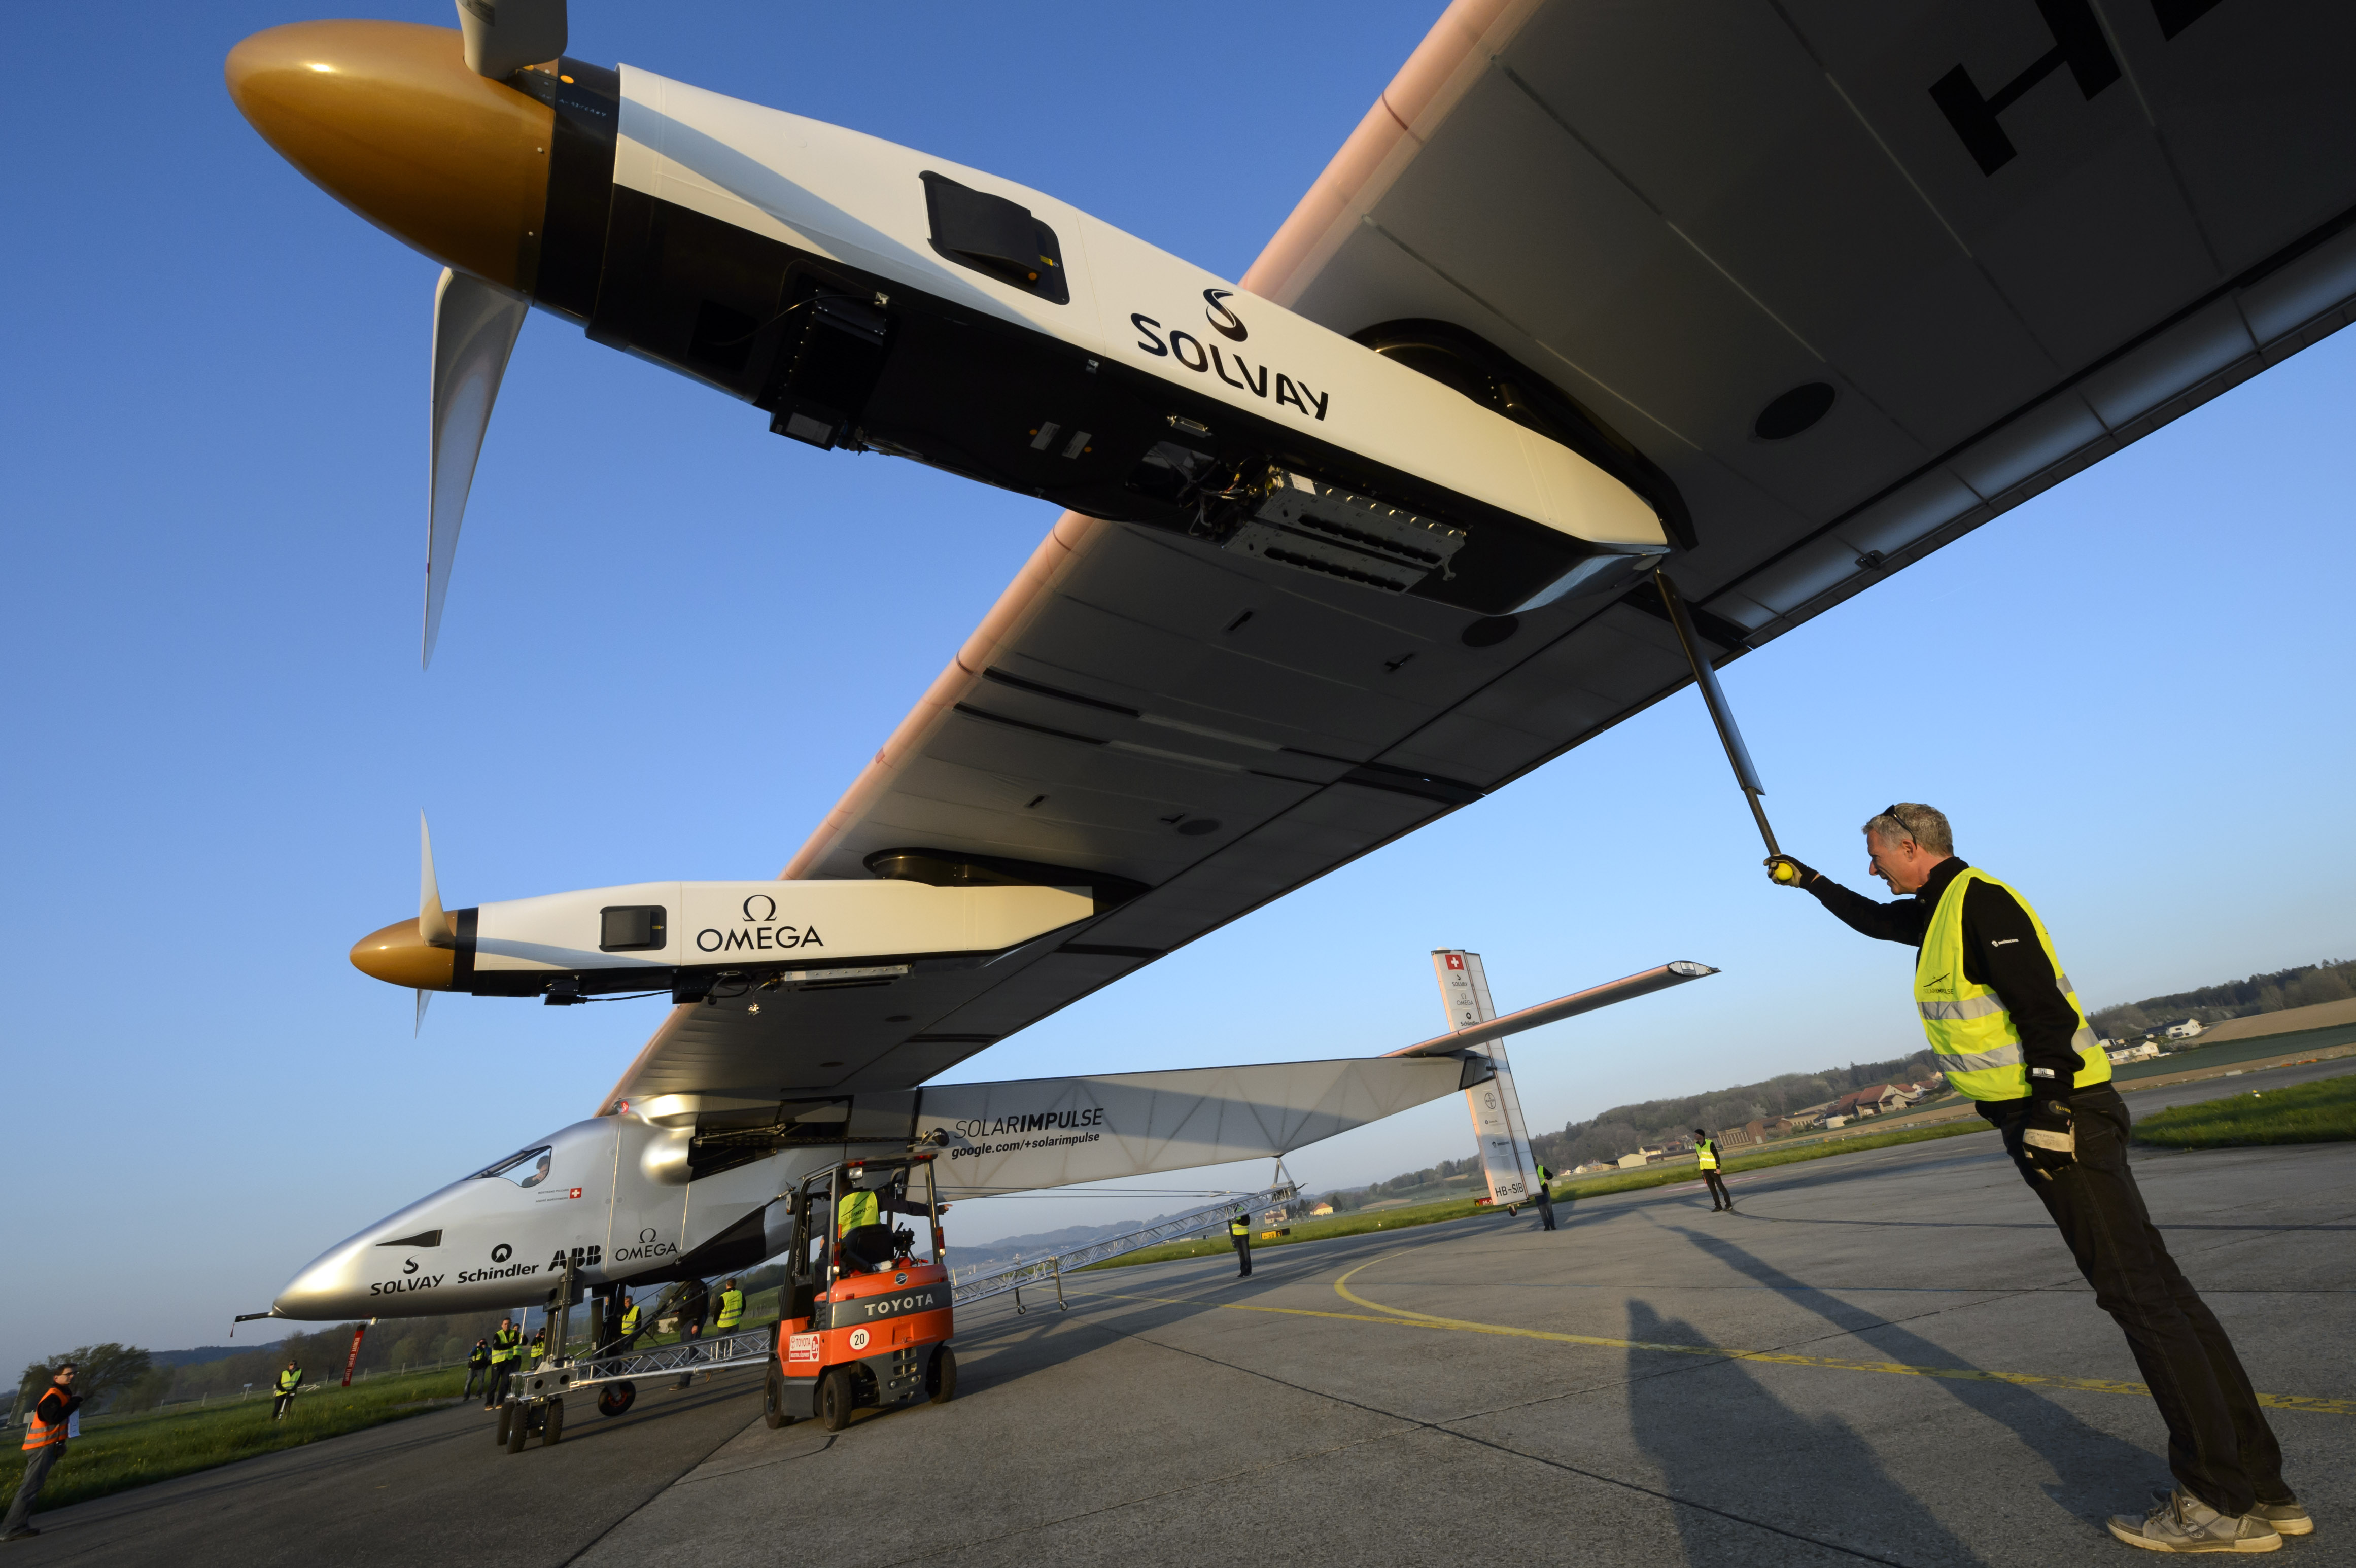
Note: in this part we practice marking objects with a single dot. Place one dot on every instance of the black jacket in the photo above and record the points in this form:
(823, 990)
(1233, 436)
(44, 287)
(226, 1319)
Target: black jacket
(55, 1404)
(2000, 952)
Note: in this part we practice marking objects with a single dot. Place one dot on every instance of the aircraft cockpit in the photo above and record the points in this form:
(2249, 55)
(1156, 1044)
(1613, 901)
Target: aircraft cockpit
(527, 1168)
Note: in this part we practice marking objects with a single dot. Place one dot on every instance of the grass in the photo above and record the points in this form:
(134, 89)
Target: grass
(2320, 1112)
(1365, 1221)
(136, 1451)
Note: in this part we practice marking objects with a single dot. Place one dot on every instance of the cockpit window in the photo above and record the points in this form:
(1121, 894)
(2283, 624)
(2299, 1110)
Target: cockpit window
(529, 1168)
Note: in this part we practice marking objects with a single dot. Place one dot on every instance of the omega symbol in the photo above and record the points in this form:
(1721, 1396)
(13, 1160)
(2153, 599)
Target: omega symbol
(769, 913)
(647, 1236)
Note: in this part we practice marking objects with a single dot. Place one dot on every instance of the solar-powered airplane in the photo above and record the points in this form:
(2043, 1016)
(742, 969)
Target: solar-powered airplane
(1599, 309)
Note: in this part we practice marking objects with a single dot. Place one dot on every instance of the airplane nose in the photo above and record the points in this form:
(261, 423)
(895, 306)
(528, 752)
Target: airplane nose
(386, 118)
(323, 1290)
(399, 955)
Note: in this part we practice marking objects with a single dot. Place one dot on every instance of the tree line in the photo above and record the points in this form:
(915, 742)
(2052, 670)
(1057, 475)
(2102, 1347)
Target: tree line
(1624, 1129)
(113, 1379)
(2334, 981)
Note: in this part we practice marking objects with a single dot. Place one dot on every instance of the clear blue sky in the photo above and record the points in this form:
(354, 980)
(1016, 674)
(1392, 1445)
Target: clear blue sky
(2132, 695)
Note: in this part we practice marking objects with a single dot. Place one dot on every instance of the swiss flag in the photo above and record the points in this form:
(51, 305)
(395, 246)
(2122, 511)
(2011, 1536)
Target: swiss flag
(1456, 961)
(574, 1193)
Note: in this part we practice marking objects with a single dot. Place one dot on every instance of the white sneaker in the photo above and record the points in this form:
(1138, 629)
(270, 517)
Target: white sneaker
(2184, 1524)
(2289, 1517)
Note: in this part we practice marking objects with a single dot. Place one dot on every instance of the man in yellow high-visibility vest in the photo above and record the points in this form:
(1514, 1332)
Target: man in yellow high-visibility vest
(732, 1307)
(505, 1345)
(288, 1382)
(2005, 1027)
(1239, 1232)
(1706, 1154)
(864, 1236)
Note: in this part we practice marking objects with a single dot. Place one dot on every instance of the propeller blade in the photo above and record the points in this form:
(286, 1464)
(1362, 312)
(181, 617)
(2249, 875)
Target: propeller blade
(432, 923)
(505, 36)
(424, 997)
(475, 327)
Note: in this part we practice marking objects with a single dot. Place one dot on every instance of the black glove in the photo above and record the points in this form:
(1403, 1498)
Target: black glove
(2048, 1142)
(1786, 872)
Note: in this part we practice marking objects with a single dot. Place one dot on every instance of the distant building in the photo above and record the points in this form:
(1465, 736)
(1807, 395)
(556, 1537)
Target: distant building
(1320, 1210)
(1641, 1157)
(2184, 1031)
(1591, 1166)
(2123, 1054)
(1884, 1098)
(1836, 1121)
(1871, 1101)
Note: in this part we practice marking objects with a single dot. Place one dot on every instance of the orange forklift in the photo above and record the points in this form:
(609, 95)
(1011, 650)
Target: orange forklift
(866, 1317)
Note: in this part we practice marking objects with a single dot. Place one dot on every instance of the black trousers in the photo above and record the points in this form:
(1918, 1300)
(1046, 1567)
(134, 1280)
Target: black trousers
(2218, 1445)
(475, 1374)
(497, 1388)
(1546, 1207)
(1719, 1195)
(280, 1403)
(1243, 1255)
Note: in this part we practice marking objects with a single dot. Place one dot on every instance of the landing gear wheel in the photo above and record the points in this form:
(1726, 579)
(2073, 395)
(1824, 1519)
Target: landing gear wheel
(835, 1400)
(773, 1401)
(507, 1415)
(1512, 1210)
(518, 1428)
(615, 1398)
(553, 1430)
(940, 1376)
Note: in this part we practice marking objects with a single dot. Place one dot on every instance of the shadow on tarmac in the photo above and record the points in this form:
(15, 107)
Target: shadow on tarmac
(1663, 1417)
(2094, 1470)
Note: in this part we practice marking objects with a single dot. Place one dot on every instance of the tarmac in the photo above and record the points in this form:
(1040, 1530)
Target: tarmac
(1884, 1357)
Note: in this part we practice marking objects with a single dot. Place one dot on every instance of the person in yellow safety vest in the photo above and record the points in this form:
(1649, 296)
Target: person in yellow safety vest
(504, 1343)
(732, 1307)
(619, 1322)
(1545, 1195)
(2006, 1026)
(288, 1382)
(1706, 1154)
(539, 1350)
(861, 1235)
(1239, 1232)
(46, 1431)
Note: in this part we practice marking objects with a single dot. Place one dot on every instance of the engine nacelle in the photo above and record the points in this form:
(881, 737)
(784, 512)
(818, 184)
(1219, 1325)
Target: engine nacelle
(696, 937)
(868, 296)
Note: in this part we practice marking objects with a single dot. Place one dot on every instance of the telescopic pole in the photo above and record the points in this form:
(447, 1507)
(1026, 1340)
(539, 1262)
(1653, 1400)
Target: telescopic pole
(1746, 773)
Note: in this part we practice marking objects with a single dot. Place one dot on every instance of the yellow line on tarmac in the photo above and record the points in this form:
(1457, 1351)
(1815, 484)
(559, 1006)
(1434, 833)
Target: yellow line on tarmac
(1401, 1319)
